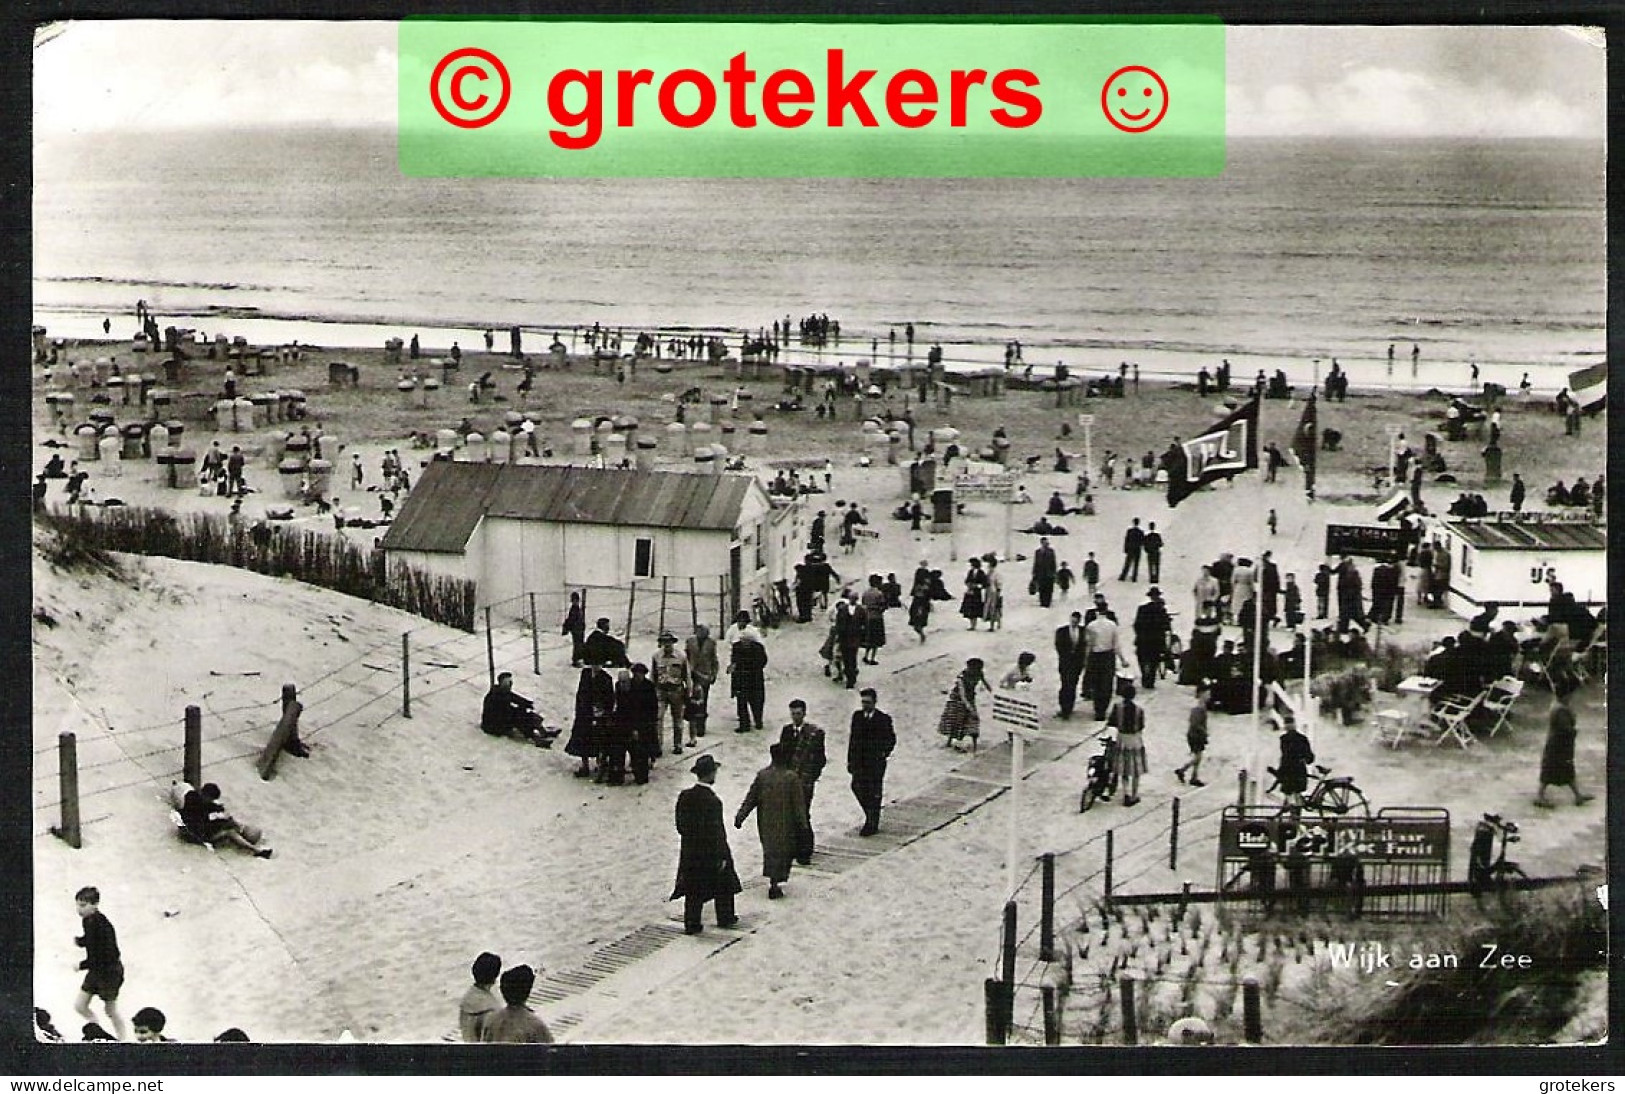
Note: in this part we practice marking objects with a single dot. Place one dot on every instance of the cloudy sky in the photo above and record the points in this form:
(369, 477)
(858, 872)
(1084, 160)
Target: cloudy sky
(1288, 81)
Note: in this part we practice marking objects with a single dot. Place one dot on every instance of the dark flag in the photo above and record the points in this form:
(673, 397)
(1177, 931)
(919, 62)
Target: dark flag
(1223, 451)
(1304, 445)
(1397, 507)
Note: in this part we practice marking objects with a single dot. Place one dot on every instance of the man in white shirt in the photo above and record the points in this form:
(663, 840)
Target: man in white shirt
(1101, 658)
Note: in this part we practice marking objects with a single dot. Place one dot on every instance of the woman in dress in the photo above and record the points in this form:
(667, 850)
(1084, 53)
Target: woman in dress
(919, 603)
(1129, 720)
(595, 706)
(873, 602)
(1557, 759)
(959, 716)
(1203, 650)
(974, 602)
(993, 605)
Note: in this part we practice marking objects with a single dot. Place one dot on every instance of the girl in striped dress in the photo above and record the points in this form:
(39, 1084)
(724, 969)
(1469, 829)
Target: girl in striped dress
(959, 716)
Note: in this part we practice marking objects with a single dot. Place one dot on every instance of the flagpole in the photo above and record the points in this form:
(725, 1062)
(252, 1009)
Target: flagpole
(1255, 768)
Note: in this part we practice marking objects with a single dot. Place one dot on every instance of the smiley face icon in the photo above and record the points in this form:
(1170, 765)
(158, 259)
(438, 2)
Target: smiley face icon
(1134, 99)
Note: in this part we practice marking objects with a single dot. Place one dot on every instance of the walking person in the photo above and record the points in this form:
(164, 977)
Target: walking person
(845, 639)
(746, 670)
(673, 687)
(1151, 626)
(780, 805)
(1195, 739)
(1292, 602)
(993, 604)
(1206, 591)
(1133, 542)
(869, 745)
(1044, 572)
(804, 743)
(960, 718)
(638, 709)
(705, 863)
(1323, 590)
(103, 966)
(1101, 658)
(1557, 757)
(1069, 658)
(1292, 771)
(1129, 720)
(1152, 546)
(974, 603)
(575, 625)
(1518, 493)
(1091, 574)
(873, 602)
(703, 667)
(594, 707)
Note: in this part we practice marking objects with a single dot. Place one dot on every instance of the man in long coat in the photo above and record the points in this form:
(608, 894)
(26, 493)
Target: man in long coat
(705, 864)
(870, 744)
(1151, 627)
(749, 661)
(1044, 572)
(780, 805)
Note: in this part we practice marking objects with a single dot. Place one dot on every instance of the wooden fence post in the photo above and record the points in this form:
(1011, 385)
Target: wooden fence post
(662, 624)
(993, 1010)
(1252, 1011)
(1111, 839)
(490, 650)
(693, 605)
(1241, 787)
(535, 640)
(67, 761)
(1046, 932)
(1052, 1016)
(1173, 837)
(631, 599)
(192, 754)
(1131, 1020)
(406, 674)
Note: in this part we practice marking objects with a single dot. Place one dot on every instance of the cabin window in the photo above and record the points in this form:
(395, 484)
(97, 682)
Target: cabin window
(643, 558)
(1466, 561)
(761, 550)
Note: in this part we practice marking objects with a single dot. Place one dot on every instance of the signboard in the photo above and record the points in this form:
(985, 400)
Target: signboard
(1014, 712)
(867, 533)
(988, 487)
(1086, 420)
(1380, 839)
(1367, 541)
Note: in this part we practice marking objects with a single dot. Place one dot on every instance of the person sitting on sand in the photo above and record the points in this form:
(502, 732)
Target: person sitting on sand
(1043, 527)
(508, 714)
(207, 819)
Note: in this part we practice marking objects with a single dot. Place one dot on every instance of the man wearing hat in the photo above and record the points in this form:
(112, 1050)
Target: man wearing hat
(673, 684)
(705, 864)
(868, 747)
(1151, 627)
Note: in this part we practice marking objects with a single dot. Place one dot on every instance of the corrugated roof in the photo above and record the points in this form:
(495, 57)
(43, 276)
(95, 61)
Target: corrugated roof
(444, 508)
(1521, 536)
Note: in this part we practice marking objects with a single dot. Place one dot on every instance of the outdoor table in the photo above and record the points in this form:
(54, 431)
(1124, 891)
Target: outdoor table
(1414, 694)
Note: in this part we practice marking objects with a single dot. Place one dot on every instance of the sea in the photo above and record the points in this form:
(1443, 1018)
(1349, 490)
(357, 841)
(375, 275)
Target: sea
(1486, 253)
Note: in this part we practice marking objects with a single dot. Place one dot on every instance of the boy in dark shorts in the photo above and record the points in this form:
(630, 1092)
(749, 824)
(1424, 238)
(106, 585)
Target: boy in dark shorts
(104, 971)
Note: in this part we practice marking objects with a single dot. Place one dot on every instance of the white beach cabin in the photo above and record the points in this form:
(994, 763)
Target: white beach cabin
(1505, 561)
(515, 529)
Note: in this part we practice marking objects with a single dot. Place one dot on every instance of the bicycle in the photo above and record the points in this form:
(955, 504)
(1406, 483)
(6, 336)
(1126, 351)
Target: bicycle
(1101, 780)
(1338, 797)
(1487, 864)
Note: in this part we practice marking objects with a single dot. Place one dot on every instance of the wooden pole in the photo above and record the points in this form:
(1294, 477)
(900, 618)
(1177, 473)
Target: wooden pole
(67, 759)
(406, 674)
(535, 640)
(1007, 947)
(993, 1009)
(1052, 1016)
(1131, 1021)
(1046, 932)
(490, 650)
(1252, 1011)
(662, 629)
(1173, 837)
(631, 599)
(192, 755)
(693, 605)
(1111, 838)
(1241, 786)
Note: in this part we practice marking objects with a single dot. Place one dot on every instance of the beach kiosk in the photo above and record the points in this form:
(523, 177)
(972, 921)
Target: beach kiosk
(1506, 560)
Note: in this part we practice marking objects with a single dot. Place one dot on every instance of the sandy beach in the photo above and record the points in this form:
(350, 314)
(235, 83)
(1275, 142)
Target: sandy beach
(406, 846)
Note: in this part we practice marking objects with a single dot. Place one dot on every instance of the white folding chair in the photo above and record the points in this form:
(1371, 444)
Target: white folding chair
(1390, 727)
(1450, 719)
(1499, 700)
